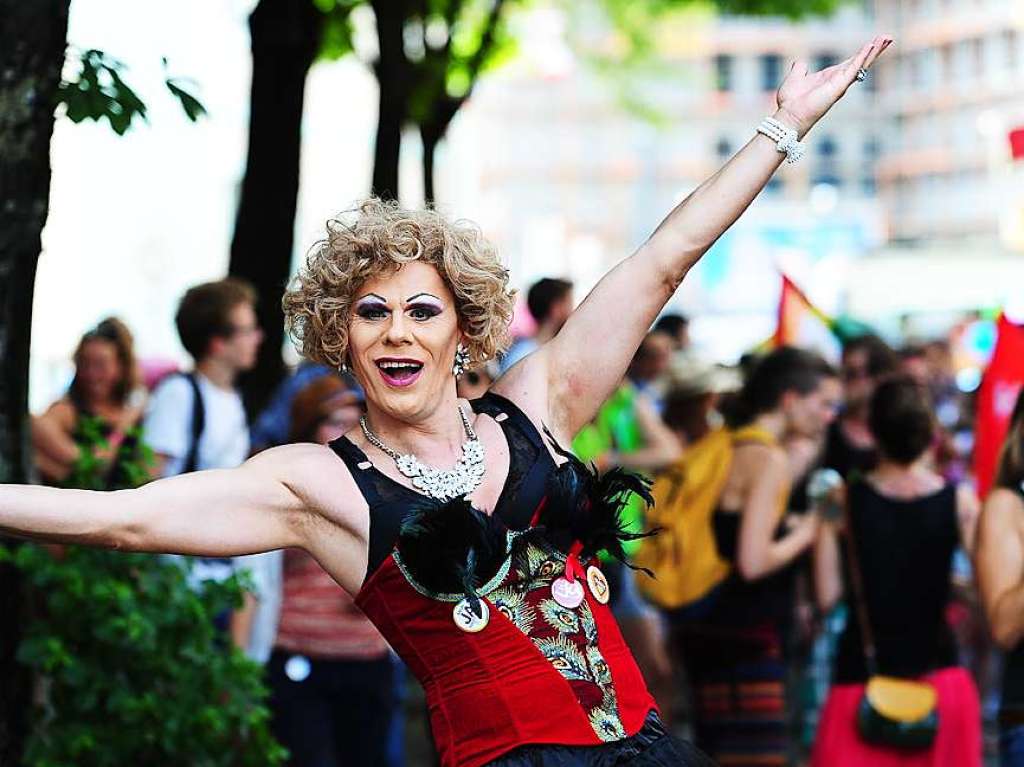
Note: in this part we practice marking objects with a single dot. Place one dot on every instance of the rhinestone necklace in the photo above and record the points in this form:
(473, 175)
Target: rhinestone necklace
(442, 484)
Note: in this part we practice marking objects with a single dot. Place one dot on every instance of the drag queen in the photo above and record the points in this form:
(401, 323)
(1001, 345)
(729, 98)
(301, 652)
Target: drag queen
(482, 576)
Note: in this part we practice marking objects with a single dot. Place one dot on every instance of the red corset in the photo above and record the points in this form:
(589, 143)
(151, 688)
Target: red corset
(536, 673)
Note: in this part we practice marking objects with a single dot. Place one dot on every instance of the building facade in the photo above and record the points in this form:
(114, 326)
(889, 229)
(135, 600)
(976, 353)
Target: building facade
(950, 94)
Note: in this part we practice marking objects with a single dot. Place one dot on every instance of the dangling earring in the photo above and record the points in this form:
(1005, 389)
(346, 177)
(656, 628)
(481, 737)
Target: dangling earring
(461, 360)
(344, 367)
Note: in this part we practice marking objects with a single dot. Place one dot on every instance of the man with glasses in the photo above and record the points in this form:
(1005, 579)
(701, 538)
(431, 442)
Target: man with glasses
(196, 420)
(217, 325)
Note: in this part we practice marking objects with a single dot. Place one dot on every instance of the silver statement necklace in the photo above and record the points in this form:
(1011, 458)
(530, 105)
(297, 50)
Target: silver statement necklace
(442, 484)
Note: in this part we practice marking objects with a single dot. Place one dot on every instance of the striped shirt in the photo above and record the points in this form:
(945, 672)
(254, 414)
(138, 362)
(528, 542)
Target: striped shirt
(319, 619)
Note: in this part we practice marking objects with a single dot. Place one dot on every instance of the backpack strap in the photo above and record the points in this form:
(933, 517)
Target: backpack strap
(198, 424)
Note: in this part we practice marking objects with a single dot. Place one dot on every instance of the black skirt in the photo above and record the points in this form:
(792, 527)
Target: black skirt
(651, 747)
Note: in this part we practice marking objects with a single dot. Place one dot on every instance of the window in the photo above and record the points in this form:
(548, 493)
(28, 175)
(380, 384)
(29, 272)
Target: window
(946, 66)
(723, 148)
(977, 57)
(868, 185)
(831, 179)
(775, 186)
(827, 148)
(1010, 53)
(872, 148)
(771, 71)
(723, 72)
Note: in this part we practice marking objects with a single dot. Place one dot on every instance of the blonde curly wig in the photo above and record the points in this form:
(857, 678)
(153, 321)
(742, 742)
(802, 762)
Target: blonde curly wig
(378, 237)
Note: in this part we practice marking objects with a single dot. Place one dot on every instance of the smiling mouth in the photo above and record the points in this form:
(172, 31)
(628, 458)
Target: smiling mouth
(399, 372)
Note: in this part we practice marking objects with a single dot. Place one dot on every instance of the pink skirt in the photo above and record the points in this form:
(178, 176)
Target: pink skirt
(957, 743)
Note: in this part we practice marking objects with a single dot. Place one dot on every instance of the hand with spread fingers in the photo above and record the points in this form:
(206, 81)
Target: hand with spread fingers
(804, 97)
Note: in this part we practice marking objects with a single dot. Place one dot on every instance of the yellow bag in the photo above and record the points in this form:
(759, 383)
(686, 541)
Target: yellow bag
(684, 556)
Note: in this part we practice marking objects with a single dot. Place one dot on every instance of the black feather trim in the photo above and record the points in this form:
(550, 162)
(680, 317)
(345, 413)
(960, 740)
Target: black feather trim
(451, 547)
(590, 505)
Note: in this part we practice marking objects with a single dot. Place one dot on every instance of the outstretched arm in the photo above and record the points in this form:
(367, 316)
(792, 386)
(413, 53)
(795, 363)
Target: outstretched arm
(586, 360)
(269, 502)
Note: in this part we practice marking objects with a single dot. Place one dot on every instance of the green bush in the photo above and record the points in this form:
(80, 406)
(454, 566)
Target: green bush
(132, 670)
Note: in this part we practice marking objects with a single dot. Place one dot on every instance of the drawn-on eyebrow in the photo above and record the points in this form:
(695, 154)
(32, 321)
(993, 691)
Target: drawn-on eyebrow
(371, 295)
(410, 299)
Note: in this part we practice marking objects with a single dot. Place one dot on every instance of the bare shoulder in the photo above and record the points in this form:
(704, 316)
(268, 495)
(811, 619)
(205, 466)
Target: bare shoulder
(1003, 509)
(336, 526)
(757, 457)
(61, 413)
(316, 475)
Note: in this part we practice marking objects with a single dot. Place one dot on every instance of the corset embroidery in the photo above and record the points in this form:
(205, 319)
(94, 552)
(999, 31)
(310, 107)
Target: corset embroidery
(566, 638)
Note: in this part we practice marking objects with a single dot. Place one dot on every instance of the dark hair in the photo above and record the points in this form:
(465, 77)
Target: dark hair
(204, 313)
(111, 331)
(687, 412)
(912, 352)
(1010, 470)
(900, 418)
(311, 406)
(646, 347)
(671, 324)
(881, 359)
(784, 370)
(544, 294)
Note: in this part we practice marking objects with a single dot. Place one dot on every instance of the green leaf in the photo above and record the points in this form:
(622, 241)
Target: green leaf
(338, 35)
(99, 91)
(192, 106)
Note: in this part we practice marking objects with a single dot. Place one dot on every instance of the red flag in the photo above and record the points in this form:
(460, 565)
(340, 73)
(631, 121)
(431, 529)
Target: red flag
(1017, 143)
(996, 397)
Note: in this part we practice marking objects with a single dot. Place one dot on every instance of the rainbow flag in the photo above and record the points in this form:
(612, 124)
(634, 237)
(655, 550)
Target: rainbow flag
(801, 323)
(798, 318)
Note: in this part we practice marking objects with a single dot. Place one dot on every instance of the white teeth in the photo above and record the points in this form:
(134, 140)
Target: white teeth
(388, 365)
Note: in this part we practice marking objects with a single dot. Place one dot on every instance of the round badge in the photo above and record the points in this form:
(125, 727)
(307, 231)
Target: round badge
(469, 621)
(567, 593)
(297, 668)
(598, 585)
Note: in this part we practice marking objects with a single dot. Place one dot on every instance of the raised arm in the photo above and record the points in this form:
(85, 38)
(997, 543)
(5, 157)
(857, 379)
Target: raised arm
(288, 496)
(584, 363)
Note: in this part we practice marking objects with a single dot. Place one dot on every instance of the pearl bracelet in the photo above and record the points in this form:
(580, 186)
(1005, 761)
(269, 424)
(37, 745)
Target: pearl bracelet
(785, 138)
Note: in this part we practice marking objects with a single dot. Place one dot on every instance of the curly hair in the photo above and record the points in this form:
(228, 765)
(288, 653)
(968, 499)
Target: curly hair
(378, 237)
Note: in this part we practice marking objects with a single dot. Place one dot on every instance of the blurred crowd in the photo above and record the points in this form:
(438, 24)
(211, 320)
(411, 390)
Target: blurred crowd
(814, 588)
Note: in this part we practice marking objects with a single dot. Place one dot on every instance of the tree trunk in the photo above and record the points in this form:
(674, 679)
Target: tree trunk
(432, 132)
(430, 142)
(33, 36)
(285, 39)
(394, 74)
(445, 107)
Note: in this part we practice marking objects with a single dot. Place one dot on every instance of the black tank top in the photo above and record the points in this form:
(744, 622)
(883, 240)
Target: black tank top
(389, 501)
(740, 601)
(905, 551)
(1013, 670)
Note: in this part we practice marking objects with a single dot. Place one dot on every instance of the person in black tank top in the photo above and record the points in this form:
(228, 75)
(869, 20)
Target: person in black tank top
(999, 563)
(407, 301)
(731, 639)
(903, 523)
